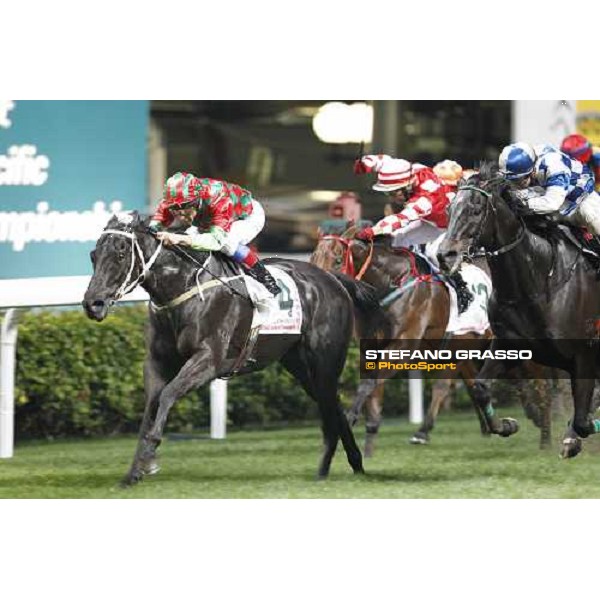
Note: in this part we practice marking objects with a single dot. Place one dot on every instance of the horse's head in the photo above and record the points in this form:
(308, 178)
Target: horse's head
(340, 253)
(474, 214)
(118, 261)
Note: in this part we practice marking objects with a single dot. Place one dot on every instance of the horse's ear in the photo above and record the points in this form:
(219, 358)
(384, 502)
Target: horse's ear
(112, 222)
(350, 233)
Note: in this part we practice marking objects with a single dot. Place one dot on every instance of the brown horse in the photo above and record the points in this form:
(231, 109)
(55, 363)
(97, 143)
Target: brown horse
(419, 313)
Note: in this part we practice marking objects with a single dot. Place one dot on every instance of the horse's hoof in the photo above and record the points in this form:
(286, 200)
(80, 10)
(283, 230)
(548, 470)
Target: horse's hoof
(571, 447)
(509, 427)
(419, 438)
(131, 479)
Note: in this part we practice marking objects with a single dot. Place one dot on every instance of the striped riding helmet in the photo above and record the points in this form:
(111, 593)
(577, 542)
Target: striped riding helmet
(394, 174)
(182, 189)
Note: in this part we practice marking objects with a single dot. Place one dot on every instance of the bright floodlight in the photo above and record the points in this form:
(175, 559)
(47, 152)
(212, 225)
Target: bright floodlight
(339, 123)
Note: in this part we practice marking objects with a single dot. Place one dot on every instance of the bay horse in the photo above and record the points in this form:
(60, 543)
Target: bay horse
(419, 309)
(199, 322)
(546, 294)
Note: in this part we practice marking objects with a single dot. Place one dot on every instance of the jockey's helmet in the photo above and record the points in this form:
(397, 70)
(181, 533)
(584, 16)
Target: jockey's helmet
(181, 190)
(449, 171)
(578, 147)
(394, 174)
(517, 160)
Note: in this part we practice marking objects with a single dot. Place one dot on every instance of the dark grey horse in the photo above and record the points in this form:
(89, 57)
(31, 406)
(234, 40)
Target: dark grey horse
(546, 293)
(196, 337)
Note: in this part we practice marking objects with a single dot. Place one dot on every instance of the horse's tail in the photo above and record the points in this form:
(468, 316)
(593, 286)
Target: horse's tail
(372, 319)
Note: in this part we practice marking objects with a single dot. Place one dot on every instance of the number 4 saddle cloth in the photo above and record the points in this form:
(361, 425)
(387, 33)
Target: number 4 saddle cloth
(279, 315)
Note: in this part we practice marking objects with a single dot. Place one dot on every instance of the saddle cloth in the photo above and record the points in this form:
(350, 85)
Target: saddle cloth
(279, 315)
(475, 318)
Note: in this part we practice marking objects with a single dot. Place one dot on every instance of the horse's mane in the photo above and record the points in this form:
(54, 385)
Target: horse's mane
(488, 172)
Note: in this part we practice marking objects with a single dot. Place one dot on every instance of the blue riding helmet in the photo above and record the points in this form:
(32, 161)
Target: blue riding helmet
(516, 160)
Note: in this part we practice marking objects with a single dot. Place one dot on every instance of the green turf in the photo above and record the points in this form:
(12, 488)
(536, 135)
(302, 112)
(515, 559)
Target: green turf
(459, 463)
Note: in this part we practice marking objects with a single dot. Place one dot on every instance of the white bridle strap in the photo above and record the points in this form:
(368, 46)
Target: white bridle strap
(128, 285)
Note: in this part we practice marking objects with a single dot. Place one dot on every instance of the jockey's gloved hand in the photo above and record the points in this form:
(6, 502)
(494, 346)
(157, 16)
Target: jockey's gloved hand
(520, 195)
(528, 193)
(366, 234)
(359, 167)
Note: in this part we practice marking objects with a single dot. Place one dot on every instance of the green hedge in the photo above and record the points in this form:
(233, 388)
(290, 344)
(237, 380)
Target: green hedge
(78, 377)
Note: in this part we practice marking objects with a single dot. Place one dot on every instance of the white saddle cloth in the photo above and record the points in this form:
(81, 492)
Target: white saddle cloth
(281, 314)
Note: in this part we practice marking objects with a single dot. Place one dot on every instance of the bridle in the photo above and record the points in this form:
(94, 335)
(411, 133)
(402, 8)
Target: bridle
(129, 283)
(474, 242)
(348, 267)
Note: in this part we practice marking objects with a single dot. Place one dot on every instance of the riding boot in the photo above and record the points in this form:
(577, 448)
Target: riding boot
(463, 294)
(260, 273)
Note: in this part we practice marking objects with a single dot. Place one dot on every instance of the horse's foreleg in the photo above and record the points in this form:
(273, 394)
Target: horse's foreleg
(582, 423)
(365, 388)
(440, 393)
(373, 410)
(154, 382)
(468, 372)
(545, 404)
(582, 388)
(483, 401)
(197, 371)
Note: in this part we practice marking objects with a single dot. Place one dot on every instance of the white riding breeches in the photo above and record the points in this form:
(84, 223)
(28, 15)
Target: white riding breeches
(415, 233)
(245, 230)
(431, 249)
(587, 214)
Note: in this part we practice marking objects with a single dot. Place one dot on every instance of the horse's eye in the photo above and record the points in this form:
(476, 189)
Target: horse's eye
(121, 255)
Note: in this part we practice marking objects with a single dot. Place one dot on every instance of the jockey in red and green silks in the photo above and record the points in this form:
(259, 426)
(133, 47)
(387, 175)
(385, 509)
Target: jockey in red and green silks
(227, 218)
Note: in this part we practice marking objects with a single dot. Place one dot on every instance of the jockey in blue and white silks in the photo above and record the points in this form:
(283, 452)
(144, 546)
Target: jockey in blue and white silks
(567, 188)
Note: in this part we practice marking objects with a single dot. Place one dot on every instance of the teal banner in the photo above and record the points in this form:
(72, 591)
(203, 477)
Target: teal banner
(65, 167)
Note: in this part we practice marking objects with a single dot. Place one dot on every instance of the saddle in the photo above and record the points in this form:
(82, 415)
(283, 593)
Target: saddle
(463, 294)
(425, 270)
(551, 229)
(586, 242)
